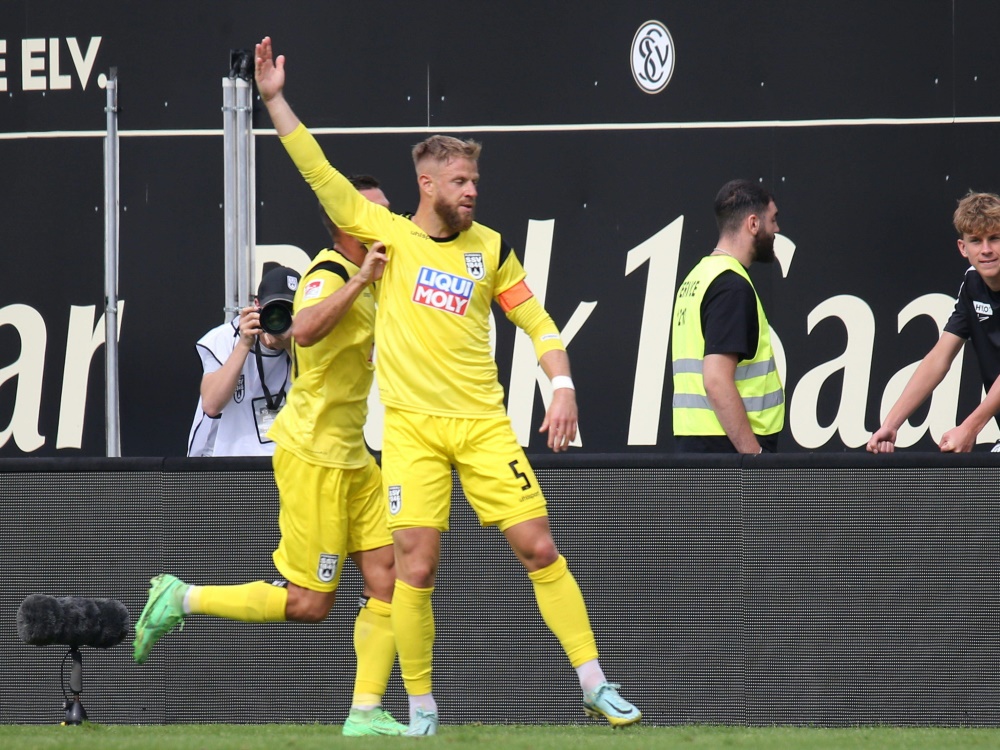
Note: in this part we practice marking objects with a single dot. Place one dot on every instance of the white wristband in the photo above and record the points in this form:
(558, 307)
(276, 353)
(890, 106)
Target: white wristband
(562, 381)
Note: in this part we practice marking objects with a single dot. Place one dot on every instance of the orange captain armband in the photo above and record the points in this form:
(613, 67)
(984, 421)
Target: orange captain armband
(514, 296)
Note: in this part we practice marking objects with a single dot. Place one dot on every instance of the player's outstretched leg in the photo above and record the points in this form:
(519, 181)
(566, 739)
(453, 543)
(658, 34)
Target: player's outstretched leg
(164, 610)
(604, 701)
(564, 611)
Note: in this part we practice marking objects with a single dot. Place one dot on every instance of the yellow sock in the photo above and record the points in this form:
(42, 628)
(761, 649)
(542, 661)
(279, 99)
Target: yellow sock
(413, 626)
(249, 602)
(564, 611)
(375, 648)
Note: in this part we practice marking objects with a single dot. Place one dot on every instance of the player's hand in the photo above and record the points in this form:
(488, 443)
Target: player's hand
(269, 72)
(957, 440)
(883, 441)
(249, 325)
(374, 263)
(561, 419)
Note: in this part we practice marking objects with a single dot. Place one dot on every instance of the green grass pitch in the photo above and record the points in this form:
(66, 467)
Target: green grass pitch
(513, 737)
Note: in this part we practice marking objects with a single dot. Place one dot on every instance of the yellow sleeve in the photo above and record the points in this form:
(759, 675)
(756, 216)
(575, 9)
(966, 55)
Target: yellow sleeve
(350, 210)
(324, 277)
(531, 318)
(521, 306)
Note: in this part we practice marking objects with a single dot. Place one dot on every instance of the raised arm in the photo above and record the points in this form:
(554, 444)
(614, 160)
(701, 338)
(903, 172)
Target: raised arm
(350, 211)
(269, 72)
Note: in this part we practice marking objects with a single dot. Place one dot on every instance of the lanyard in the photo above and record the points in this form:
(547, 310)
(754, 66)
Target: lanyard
(273, 402)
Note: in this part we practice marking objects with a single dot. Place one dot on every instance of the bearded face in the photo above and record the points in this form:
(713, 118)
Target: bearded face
(763, 240)
(458, 214)
(455, 193)
(763, 246)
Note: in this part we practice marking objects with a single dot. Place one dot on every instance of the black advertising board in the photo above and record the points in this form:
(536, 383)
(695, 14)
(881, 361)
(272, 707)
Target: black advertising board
(868, 126)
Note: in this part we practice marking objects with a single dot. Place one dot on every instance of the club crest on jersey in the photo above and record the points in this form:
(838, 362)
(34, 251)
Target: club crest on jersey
(443, 291)
(474, 265)
(240, 389)
(395, 498)
(983, 309)
(327, 567)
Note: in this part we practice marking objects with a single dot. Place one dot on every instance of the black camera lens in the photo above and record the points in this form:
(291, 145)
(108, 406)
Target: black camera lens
(276, 317)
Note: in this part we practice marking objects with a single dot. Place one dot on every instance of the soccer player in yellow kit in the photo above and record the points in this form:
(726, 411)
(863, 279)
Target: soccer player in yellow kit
(444, 402)
(329, 484)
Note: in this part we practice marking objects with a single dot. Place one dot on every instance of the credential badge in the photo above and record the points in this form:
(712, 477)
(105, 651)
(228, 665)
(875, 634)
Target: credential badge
(474, 265)
(327, 567)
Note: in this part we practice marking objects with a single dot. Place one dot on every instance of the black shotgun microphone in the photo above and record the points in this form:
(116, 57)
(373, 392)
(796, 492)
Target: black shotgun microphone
(72, 621)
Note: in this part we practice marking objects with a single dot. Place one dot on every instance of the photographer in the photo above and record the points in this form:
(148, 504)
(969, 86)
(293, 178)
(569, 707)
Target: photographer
(247, 373)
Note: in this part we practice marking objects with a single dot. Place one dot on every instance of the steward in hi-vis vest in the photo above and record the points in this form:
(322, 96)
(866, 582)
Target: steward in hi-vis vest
(756, 379)
(728, 395)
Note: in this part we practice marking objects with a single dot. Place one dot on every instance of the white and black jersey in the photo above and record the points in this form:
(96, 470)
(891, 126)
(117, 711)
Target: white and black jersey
(241, 427)
(976, 318)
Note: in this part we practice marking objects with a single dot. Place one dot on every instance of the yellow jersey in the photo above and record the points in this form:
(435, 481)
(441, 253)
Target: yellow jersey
(433, 351)
(323, 421)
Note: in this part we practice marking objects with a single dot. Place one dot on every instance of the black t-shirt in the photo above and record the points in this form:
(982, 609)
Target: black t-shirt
(975, 319)
(729, 316)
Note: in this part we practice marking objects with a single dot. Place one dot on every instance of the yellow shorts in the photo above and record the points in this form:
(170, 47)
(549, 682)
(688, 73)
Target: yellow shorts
(418, 453)
(325, 515)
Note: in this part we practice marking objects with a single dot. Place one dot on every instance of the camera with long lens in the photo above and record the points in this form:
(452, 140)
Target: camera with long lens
(276, 317)
(274, 297)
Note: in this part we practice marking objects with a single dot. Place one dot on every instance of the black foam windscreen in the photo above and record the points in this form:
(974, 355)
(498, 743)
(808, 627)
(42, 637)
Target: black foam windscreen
(71, 621)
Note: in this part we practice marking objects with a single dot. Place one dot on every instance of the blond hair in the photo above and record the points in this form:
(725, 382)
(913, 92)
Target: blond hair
(978, 214)
(444, 148)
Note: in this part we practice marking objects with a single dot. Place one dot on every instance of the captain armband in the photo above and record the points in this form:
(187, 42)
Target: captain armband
(514, 296)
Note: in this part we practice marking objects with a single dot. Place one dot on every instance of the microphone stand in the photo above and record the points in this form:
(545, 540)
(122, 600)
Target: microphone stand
(75, 712)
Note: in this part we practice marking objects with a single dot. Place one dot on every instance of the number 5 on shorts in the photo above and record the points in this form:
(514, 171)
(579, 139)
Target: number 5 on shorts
(520, 475)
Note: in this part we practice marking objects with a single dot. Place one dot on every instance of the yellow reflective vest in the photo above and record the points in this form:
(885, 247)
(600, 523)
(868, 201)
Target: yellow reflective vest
(757, 379)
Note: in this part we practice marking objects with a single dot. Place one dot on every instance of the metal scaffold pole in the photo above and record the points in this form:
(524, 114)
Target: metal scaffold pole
(238, 145)
(111, 208)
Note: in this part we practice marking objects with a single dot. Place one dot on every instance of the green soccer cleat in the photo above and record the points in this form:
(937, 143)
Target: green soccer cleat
(424, 724)
(605, 702)
(164, 610)
(375, 721)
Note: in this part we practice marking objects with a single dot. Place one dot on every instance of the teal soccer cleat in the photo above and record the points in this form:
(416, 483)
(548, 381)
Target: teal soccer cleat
(164, 610)
(605, 702)
(424, 724)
